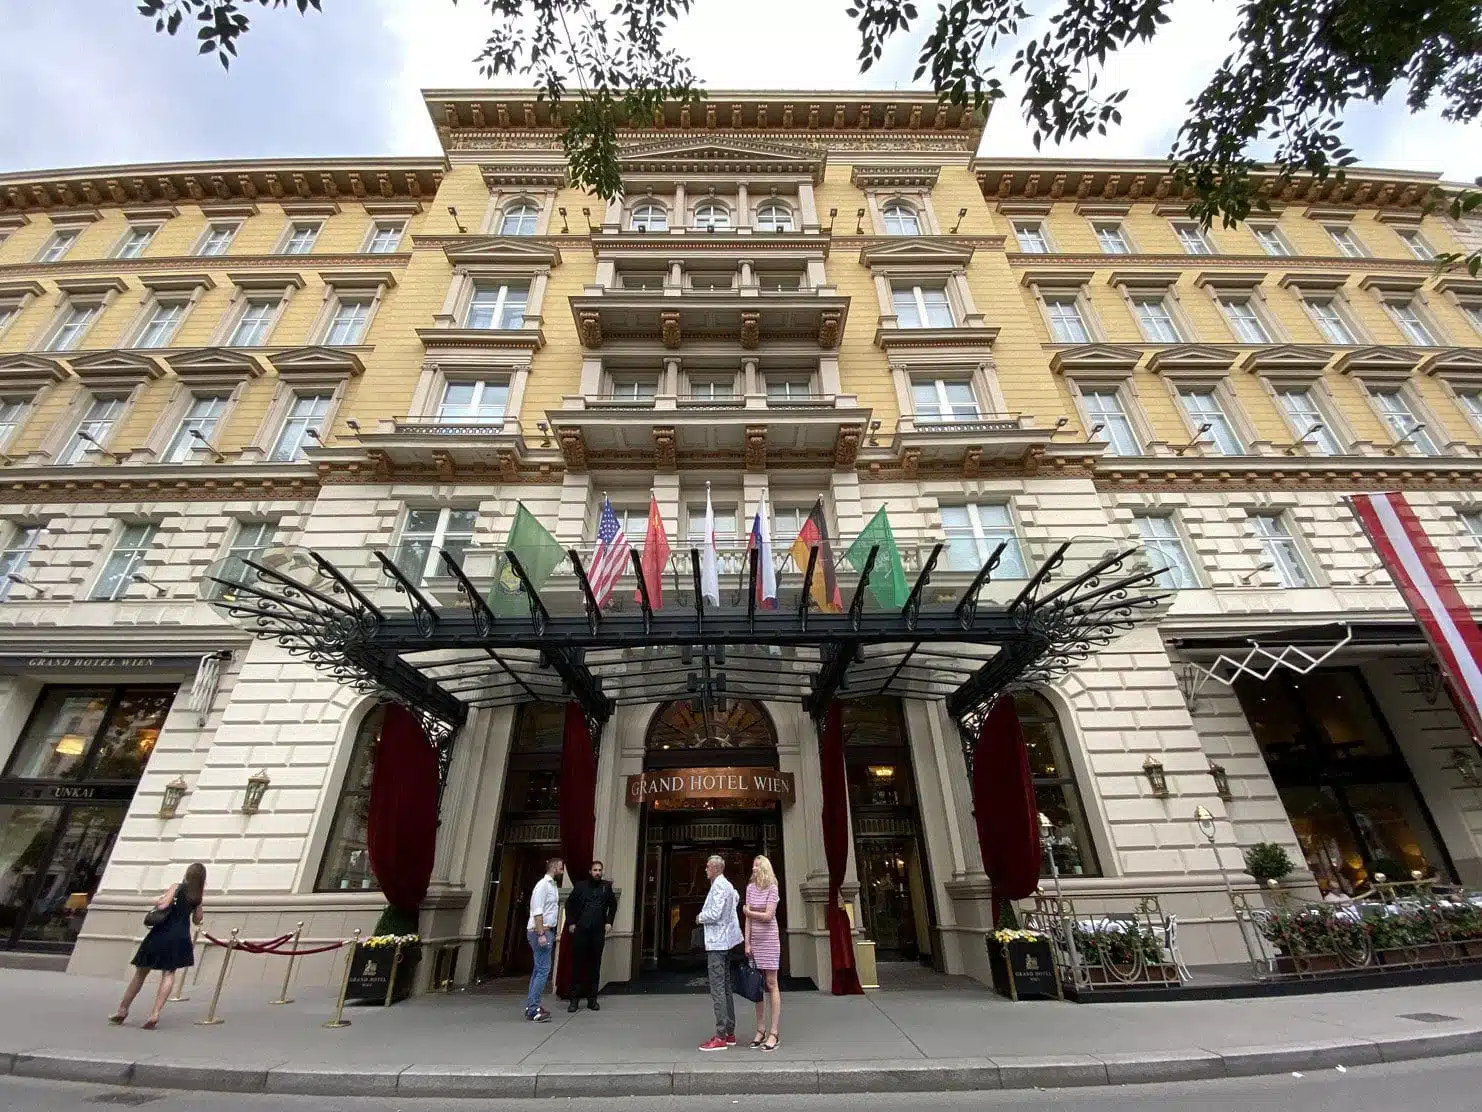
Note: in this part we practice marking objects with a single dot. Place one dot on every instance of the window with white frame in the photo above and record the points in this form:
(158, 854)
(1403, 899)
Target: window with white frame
(76, 320)
(250, 541)
(347, 324)
(8, 313)
(1472, 519)
(1271, 240)
(1346, 241)
(1112, 239)
(498, 305)
(386, 237)
(1330, 320)
(1281, 549)
(650, 216)
(944, 399)
(1104, 408)
(1473, 313)
(12, 412)
(196, 427)
(711, 215)
(725, 524)
(921, 306)
(476, 400)
(1416, 243)
(1309, 424)
(124, 561)
(256, 322)
(1155, 319)
(1067, 326)
(1416, 328)
(19, 544)
(520, 219)
(781, 388)
(164, 321)
(1403, 424)
(973, 531)
(218, 239)
(425, 532)
(93, 430)
(305, 416)
(715, 389)
(135, 240)
(1245, 322)
(900, 219)
(634, 388)
(1194, 241)
(787, 523)
(716, 281)
(1203, 406)
(633, 519)
(773, 216)
(1471, 404)
(56, 248)
(302, 236)
(1031, 237)
(1159, 533)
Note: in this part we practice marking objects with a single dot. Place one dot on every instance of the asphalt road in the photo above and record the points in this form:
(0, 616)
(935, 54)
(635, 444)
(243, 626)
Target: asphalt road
(1436, 1085)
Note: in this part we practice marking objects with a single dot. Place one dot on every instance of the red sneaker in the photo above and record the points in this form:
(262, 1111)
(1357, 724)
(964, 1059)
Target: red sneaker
(730, 1040)
(715, 1043)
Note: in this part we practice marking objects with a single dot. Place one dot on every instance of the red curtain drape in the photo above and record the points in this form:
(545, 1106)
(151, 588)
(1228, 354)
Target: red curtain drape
(836, 850)
(1004, 806)
(578, 812)
(401, 831)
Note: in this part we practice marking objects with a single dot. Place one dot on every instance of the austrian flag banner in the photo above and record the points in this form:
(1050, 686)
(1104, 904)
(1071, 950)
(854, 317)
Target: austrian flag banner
(1412, 562)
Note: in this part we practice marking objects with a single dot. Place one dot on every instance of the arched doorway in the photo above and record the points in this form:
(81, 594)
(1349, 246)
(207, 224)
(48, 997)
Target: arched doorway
(681, 830)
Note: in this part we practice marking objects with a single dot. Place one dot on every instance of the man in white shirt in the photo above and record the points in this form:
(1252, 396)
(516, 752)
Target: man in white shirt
(722, 935)
(545, 909)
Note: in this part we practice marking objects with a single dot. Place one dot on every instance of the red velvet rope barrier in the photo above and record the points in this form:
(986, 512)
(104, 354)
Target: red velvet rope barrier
(274, 946)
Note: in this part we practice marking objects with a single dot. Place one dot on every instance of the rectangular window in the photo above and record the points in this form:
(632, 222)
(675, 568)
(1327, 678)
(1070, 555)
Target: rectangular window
(944, 400)
(1472, 519)
(57, 247)
(8, 313)
(425, 532)
(1271, 241)
(1394, 407)
(788, 389)
(1155, 320)
(787, 523)
(1245, 322)
(255, 324)
(1112, 239)
(713, 390)
(974, 531)
(301, 238)
(202, 417)
(1067, 326)
(1166, 547)
(11, 413)
(218, 238)
(135, 240)
(1194, 241)
(1281, 550)
(634, 389)
(1204, 408)
(94, 428)
(252, 540)
(78, 733)
(386, 238)
(1104, 408)
(305, 415)
(16, 555)
(1417, 244)
(479, 400)
(347, 326)
(1473, 313)
(1346, 242)
(74, 326)
(125, 559)
(1031, 237)
(1330, 321)
(1412, 324)
(725, 525)
(1470, 401)
(921, 307)
(160, 328)
(498, 305)
(1308, 422)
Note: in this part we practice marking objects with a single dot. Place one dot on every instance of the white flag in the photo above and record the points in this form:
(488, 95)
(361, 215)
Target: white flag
(709, 557)
(761, 541)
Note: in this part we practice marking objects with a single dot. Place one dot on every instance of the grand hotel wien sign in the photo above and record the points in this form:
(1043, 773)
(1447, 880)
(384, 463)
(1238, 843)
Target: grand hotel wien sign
(681, 787)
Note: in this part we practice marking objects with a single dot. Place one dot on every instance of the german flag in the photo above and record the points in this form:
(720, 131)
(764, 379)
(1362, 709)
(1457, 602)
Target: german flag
(814, 534)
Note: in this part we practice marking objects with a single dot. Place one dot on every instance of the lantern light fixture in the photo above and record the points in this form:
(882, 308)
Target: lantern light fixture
(257, 787)
(174, 793)
(1153, 769)
(1221, 781)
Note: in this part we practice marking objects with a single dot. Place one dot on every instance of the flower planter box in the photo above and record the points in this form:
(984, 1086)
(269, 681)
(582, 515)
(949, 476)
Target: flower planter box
(1426, 953)
(1024, 970)
(371, 971)
(1471, 948)
(1310, 963)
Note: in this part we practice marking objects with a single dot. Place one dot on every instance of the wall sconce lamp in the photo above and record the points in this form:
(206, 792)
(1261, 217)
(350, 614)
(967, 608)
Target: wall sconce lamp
(859, 223)
(199, 438)
(1061, 422)
(1255, 571)
(14, 578)
(832, 214)
(1317, 427)
(257, 787)
(1402, 441)
(353, 425)
(140, 577)
(313, 434)
(174, 793)
(1152, 768)
(962, 212)
(587, 215)
(83, 434)
(453, 212)
(1198, 436)
(545, 433)
(1221, 781)
(565, 227)
(1095, 429)
(874, 434)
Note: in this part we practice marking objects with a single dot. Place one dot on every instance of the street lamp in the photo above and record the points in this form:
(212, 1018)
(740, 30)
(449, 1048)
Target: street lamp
(1046, 835)
(1205, 821)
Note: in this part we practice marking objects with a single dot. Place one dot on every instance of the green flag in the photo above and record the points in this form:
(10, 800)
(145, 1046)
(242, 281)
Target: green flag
(538, 553)
(888, 577)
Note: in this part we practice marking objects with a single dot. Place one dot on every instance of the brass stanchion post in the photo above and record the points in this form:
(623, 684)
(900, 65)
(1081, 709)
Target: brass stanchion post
(283, 997)
(226, 961)
(339, 1019)
(391, 981)
(180, 997)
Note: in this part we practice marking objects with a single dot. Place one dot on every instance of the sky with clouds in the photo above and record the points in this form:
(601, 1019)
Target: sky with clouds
(347, 81)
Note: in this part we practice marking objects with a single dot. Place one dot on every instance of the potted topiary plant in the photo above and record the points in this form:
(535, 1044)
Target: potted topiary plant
(1267, 861)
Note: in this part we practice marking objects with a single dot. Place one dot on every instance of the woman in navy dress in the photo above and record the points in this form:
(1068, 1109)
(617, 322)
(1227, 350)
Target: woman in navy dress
(167, 947)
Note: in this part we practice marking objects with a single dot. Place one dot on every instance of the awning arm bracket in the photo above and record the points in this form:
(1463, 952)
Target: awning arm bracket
(368, 611)
(807, 587)
(594, 612)
(911, 611)
(1259, 663)
(483, 617)
(643, 600)
(1026, 598)
(967, 605)
(423, 612)
(752, 557)
(539, 616)
(856, 604)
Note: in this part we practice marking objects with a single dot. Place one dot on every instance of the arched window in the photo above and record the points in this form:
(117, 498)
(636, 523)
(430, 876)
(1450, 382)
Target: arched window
(743, 724)
(901, 220)
(712, 214)
(649, 216)
(346, 862)
(774, 216)
(519, 219)
(1055, 791)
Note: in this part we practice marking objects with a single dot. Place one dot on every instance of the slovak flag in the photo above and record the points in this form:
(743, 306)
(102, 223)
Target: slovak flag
(761, 541)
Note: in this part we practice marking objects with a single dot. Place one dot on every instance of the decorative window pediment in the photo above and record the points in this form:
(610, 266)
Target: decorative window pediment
(1143, 279)
(274, 281)
(177, 283)
(503, 251)
(357, 280)
(317, 363)
(1057, 278)
(894, 177)
(113, 370)
(1100, 209)
(1096, 360)
(91, 287)
(1193, 361)
(1024, 208)
(30, 372)
(1457, 364)
(213, 366)
(1322, 281)
(1457, 283)
(1220, 280)
(710, 157)
(914, 252)
(553, 175)
(14, 291)
(1290, 361)
(1393, 285)
(1380, 362)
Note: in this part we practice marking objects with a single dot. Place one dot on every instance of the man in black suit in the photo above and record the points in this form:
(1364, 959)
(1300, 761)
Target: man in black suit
(590, 911)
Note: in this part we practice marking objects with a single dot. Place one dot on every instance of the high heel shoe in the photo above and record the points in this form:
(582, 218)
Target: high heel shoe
(772, 1043)
(760, 1037)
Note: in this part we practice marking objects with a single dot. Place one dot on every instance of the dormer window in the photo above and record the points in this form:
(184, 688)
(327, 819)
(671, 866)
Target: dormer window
(711, 216)
(774, 216)
(519, 219)
(901, 219)
(649, 216)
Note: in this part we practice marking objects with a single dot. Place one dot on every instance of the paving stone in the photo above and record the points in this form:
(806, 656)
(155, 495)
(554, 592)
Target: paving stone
(1432, 1045)
(1246, 1061)
(330, 1079)
(908, 1075)
(465, 1081)
(746, 1076)
(1051, 1072)
(1162, 1066)
(174, 1073)
(65, 1065)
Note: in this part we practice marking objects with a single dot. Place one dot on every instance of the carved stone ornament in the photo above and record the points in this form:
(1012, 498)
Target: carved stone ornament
(509, 466)
(442, 462)
(828, 330)
(573, 449)
(846, 445)
(756, 447)
(591, 329)
(751, 330)
(669, 328)
(666, 456)
(972, 462)
(911, 462)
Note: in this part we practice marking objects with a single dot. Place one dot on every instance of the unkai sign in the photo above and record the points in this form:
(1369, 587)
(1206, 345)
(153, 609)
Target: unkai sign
(693, 786)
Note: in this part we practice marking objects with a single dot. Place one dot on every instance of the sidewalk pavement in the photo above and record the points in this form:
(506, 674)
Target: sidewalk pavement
(478, 1044)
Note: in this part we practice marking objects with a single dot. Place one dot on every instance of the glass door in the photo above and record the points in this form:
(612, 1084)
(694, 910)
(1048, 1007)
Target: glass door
(885, 893)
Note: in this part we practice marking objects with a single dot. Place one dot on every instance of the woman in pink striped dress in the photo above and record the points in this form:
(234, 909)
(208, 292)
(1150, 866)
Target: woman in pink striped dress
(764, 946)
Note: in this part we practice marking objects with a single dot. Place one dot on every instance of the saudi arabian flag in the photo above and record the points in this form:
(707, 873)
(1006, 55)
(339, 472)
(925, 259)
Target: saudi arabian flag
(888, 577)
(538, 553)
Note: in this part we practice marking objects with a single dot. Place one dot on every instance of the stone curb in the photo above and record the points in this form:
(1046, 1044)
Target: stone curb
(732, 1077)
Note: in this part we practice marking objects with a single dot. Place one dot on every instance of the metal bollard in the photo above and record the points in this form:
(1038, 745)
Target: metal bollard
(339, 1019)
(179, 997)
(391, 981)
(283, 997)
(226, 961)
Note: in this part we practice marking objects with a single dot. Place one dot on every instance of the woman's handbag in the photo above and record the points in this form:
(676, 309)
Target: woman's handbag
(158, 915)
(747, 979)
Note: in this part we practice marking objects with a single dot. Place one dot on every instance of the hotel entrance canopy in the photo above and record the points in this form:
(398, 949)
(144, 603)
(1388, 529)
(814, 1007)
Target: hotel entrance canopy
(415, 625)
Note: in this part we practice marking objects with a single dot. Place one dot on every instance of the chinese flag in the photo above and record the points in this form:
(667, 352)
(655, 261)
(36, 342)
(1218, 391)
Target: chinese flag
(655, 556)
(825, 587)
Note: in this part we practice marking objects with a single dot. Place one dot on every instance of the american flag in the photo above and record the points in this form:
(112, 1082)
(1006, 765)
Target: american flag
(611, 556)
